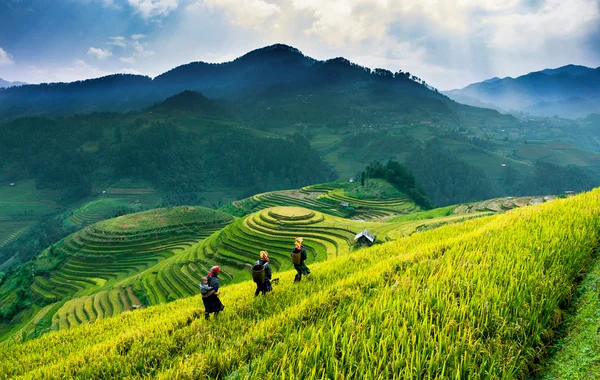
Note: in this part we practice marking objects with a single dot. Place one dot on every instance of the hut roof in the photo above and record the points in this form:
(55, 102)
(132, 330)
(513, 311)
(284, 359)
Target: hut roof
(366, 234)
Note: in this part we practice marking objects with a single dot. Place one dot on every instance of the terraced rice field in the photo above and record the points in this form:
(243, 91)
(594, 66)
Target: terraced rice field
(328, 199)
(10, 230)
(480, 299)
(90, 285)
(159, 256)
(274, 230)
(106, 205)
(21, 206)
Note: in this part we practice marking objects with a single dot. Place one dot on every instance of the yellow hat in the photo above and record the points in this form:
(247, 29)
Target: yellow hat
(299, 239)
(264, 254)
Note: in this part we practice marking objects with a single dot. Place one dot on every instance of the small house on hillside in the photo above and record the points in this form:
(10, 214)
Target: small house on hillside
(365, 238)
(344, 204)
(12, 184)
(569, 193)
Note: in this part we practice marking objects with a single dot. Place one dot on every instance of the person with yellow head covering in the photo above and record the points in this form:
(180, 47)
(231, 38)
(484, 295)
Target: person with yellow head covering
(298, 258)
(263, 285)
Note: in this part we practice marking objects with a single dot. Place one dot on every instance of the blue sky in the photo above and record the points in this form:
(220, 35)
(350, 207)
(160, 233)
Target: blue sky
(447, 43)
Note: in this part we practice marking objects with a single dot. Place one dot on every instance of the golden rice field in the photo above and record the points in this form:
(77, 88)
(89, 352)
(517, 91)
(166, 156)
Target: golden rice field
(478, 299)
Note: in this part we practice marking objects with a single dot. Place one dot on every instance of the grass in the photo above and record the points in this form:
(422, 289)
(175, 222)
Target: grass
(423, 215)
(479, 299)
(576, 353)
(374, 188)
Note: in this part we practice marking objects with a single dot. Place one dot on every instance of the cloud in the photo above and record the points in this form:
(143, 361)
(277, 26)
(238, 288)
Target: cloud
(138, 36)
(153, 8)
(118, 41)
(251, 13)
(5, 58)
(99, 53)
(337, 22)
(139, 52)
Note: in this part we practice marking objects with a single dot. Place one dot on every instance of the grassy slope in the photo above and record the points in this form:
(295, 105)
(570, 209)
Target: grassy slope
(164, 269)
(576, 353)
(477, 299)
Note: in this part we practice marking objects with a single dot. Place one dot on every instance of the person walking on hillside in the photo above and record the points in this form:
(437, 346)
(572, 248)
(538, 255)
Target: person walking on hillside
(212, 303)
(261, 274)
(298, 258)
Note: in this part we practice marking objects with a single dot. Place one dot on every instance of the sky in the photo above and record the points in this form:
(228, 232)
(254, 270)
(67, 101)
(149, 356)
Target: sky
(449, 44)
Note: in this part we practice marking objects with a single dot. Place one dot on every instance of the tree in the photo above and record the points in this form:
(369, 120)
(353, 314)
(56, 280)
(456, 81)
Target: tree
(362, 178)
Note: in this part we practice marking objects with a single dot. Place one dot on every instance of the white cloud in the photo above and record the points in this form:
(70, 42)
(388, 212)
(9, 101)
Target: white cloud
(5, 57)
(138, 36)
(153, 8)
(139, 52)
(99, 53)
(252, 13)
(118, 41)
(339, 21)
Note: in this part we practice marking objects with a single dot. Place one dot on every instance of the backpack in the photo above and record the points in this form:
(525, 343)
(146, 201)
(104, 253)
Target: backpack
(297, 258)
(258, 273)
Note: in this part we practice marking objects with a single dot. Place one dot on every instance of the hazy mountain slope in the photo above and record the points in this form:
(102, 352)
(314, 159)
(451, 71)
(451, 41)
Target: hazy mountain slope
(5, 84)
(568, 91)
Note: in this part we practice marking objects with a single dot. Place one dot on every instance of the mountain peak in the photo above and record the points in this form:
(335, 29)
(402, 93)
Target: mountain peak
(276, 50)
(574, 70)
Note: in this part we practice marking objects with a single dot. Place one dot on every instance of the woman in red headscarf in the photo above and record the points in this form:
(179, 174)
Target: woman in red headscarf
(212, 303)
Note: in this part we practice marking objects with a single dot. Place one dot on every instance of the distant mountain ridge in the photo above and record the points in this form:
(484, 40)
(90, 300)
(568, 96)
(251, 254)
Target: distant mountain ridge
(567, 91)
(277, 66)
(6, 84)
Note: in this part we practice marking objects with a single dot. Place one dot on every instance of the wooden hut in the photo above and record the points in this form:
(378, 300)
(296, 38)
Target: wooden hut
(365, 238)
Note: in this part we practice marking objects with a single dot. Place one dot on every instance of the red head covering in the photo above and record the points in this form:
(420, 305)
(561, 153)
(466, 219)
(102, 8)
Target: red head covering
(214, 271)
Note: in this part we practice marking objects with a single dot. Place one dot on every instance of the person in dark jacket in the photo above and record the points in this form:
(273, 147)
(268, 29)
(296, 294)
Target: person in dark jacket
(212, 303)
(266, 285)
(299, 265)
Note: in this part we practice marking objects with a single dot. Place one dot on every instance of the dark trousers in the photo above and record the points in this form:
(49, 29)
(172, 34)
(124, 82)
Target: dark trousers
(263, 288)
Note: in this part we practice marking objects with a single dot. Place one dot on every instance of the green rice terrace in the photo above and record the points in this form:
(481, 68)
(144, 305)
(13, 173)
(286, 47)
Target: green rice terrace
(481, 299)
(131, 195)
(78, 279)
(22, 204)
(376, 201)
(158, 256)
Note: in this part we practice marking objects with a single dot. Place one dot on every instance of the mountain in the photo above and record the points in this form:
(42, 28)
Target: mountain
(269, 72)
(6, 84)
(570, 91)
(190, 101)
